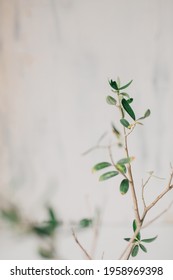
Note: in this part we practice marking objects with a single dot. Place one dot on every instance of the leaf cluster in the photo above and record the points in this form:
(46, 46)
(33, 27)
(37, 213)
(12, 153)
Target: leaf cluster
(138, 242)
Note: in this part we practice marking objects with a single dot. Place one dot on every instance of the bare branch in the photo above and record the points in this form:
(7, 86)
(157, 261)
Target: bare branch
(79, 244)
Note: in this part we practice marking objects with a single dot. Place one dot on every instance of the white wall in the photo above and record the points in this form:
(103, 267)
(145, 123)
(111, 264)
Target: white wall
(55, 59)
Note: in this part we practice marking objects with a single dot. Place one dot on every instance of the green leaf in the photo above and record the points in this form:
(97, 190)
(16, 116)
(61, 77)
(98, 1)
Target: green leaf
(11, 215)
(125, 86)
(134, 225)
(125, 94)
(128, 109)
(110, 100)
(127, 239)
(46, 230)
(46, 253)
(115, 131)
(118, 82)
(100, 166)
(138, 236)
(149, 240)
(135, 251)
(84, 223)
(124, 186)
(130, 100)
(113, 84)
(143, 248)
(121, 168)
(125, 160)
(146, 115)
(108, 175)
(125, 123)
(52, 215)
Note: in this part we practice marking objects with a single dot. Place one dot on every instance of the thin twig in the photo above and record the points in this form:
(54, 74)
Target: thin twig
(79, 244)
(158, 216)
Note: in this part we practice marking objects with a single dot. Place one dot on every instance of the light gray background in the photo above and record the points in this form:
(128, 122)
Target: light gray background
(55, 60)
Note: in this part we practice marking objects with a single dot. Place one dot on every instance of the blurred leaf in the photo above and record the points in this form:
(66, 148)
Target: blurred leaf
(128, 109)
(125, 86)
(84, 223)
(118, 82)
(115, 131)
(110, 100)
(113, 84)
(149, 240)
(146, 115)
(143, 248)
(138, 236)
(108, 175)
(124, 186)
(100, 166)
(121, 168)
(135, 251)
(44, 230)
(125, 160)
(125, 123)
(125, 94)
(10, 214)
(45, 253)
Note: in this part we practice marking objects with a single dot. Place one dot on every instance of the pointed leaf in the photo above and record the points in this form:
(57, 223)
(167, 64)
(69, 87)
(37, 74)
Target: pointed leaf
(127, 239)
(125, 160)
(130, 100)
(128, 109)
(149, 240)
(124, 186)
(135, 251)
(125, 123)
(121, 168)
(115, 131)
(110, 100)
(146, 115)
(113, 84)
(84, 223)
(138, 236)
(108, 175)
(125, 86)
(100, 166)
(143, 248)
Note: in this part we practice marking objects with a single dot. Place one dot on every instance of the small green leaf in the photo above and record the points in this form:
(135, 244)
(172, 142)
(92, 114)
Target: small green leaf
(84, 223)
(143, 248)
(125, 94)
(121, 168)
(124, 186)
(130, 100)
(115, 131)
(146, 115)
(108, 175)
(135, 251)
(138, 236)
(125, 160)
(134, 225)
(125, 86)
(113, 84)
(127, 239)
(125, 123)
(128, 109)
(110, 100)
(100, 166)
(149, 240)
(11, 214)
(46, 253)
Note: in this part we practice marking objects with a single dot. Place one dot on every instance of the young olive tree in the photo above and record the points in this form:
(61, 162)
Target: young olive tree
(122, 102)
